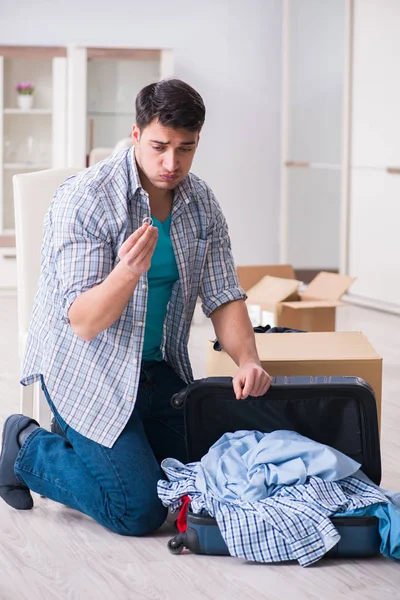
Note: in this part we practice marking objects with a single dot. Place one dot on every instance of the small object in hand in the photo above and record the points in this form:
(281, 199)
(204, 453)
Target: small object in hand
(148, 220)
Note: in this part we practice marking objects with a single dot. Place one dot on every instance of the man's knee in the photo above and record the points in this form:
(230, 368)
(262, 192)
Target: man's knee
(143, 514)
(141, 521)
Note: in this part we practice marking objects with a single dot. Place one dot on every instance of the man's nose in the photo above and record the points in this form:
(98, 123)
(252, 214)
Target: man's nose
(170, 162)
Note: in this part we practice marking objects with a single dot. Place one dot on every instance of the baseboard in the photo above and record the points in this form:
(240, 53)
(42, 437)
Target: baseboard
(385, 307)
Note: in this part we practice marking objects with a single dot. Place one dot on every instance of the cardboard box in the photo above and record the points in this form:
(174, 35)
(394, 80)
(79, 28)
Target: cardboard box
(264, 298)
(250, 275)
(280, 302)
(312, 354)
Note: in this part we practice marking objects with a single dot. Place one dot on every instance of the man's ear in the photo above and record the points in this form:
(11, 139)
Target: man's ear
(135, 135)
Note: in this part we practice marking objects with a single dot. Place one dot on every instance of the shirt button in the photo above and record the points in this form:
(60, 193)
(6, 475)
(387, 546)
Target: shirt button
(131, 399)
(135, 361)
(145, 216)
(140, 323)
(144, 287)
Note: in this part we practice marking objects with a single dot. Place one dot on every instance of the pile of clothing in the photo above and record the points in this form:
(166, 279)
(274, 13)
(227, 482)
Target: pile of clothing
(272, 495)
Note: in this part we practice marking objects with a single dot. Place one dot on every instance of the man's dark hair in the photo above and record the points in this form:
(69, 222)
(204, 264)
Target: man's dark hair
(173, 102)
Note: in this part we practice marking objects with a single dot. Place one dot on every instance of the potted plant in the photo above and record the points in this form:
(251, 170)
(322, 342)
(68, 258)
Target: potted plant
(25, 95)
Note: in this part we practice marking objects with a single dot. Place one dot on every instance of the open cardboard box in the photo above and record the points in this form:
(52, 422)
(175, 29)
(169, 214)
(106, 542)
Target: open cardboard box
(276, 299)
(311, 354)
(250, 275)
(265, 297)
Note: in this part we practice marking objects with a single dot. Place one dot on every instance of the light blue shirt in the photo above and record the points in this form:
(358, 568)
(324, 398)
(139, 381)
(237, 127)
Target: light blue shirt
(250, 465)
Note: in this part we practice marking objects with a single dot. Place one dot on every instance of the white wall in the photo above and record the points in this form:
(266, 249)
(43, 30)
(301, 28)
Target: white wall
(230, 51)
(316, 61)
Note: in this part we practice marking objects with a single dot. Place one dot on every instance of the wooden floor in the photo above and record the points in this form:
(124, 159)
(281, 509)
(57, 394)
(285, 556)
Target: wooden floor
(52, 552)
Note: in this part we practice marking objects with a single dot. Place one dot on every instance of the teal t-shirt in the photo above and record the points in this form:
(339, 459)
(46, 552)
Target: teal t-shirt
(161, 277)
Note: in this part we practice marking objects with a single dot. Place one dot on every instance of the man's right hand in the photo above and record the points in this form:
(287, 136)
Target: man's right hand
(136, 252)
(99, 307)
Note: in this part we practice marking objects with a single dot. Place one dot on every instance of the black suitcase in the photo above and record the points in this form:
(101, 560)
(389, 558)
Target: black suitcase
(337, 411)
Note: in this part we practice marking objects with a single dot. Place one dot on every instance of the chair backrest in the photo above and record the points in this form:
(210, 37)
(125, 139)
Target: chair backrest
(33, 193)
(98, 154)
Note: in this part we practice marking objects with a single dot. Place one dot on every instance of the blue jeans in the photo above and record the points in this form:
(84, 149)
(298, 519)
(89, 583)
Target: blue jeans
(115, 486)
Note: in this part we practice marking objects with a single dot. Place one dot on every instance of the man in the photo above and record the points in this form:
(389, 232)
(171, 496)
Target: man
(111, 321)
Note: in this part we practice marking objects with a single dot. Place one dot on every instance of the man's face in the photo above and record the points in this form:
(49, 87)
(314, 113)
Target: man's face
(165, 155)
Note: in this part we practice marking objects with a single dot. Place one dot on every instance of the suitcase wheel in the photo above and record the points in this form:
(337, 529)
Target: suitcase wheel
(176, 545)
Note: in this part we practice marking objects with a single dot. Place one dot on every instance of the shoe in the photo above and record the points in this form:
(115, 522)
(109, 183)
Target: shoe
(15, 493)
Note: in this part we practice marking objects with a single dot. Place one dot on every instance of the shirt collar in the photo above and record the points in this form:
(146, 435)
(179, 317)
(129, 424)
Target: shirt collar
(134, 172)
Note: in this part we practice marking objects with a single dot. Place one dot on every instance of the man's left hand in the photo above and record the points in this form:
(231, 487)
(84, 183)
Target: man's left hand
(251, 380)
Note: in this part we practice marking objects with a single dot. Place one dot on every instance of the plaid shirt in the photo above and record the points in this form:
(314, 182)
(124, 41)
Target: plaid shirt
(94, 384)
(293, 524)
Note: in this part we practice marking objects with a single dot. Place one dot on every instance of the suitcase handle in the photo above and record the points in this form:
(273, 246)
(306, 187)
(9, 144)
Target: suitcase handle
(179, 398)
(223, 380)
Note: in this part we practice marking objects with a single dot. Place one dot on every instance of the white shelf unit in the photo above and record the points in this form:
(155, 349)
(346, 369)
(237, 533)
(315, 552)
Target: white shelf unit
(102, 87)
(25, 167)
(32, 111)
(84, 97)
(30, 140)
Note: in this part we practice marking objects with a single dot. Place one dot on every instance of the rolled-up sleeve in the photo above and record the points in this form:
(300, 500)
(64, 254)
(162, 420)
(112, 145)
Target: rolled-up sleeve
(82, 248)
(220, 283)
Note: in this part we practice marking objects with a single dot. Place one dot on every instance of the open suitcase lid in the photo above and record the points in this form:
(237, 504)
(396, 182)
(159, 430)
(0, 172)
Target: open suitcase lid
(336, 411)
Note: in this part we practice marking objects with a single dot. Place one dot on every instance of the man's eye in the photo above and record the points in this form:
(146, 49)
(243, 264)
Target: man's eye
(159, 148)
(185, 150)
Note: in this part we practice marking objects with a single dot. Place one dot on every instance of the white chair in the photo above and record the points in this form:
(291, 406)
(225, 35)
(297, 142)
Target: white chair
(100, 153)
(33, 193)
